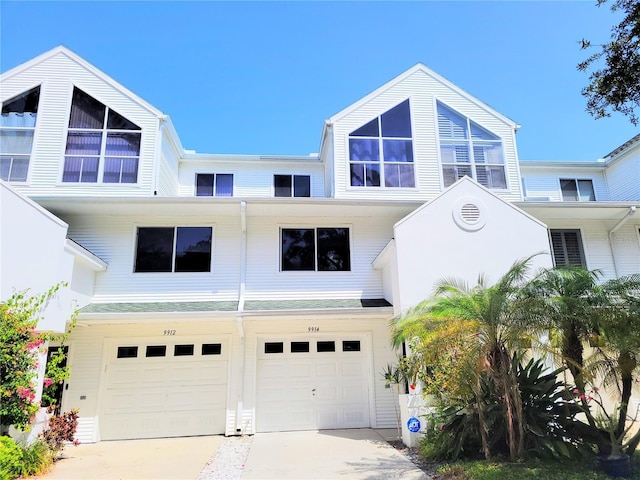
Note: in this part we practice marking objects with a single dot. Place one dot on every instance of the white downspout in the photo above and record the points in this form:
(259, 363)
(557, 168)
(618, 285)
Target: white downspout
(239, 318)
(621, 222)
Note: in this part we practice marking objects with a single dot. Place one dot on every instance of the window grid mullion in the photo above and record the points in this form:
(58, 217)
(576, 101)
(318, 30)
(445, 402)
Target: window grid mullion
(315, 247)
(173, 253)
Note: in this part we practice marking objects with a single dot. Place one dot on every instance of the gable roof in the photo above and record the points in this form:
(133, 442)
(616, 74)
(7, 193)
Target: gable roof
(62, 50)
(420, 67)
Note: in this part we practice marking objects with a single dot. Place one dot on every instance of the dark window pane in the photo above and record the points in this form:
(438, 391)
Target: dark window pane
(351, 346)
(72, 167)
(120, 170)
(154, 249)
(398, 150)
(156, 351)
(373, 174)
(298, 249)
(193, 249)
(282, 185)
(326, 346)
(362, 149)
(24, 103)
(118, 122)
(123, 144)
(86, 112)
(204, 184)
(299, 347)
(89, 170)
(569, 190)
(182, 350)
(407, 178)
(397, 121)
(273, 347)
(301, 186)
(127, 352)
(129, 170)
(333, 249)
(368, 130)
(224, 185)
(211, 349)
(357, 175)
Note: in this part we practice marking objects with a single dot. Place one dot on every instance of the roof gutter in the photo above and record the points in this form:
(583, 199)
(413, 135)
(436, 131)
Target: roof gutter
(617, 226)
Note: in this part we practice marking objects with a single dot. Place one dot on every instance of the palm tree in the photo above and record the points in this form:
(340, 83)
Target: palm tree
(478, 329)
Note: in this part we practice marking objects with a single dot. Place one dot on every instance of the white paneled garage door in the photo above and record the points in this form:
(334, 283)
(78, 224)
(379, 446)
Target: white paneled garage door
(312, 383)
(158, 388)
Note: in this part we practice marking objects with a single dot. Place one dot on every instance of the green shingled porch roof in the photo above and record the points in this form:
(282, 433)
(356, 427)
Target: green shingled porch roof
(256, 305)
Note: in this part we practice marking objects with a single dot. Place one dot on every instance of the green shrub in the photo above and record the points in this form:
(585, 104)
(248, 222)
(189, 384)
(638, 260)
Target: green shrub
(10, 459)
(36, 458)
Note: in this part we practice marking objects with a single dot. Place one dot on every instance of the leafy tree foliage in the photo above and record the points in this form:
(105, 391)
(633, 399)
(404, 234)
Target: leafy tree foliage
(614, 78)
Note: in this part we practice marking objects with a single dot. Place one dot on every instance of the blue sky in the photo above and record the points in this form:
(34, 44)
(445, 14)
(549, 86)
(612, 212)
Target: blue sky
(261, 77)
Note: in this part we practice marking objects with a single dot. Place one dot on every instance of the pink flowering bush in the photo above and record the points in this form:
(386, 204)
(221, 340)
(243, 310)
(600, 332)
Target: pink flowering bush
(20, 345)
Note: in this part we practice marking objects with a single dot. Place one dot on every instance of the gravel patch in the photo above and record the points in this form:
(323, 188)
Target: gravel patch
(412, 454)
(228, 461)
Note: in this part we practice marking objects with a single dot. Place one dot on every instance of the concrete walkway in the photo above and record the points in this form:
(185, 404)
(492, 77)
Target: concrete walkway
(361, 454)
(155, 459)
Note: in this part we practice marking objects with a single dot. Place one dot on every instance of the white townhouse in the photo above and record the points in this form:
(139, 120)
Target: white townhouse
(232, 294)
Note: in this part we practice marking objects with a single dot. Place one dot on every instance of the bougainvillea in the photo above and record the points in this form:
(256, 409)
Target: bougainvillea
(20, 347)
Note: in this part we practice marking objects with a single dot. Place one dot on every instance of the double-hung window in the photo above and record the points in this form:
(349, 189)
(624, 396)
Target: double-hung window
(315, 249)
(173, 249)
(381, 151)
(576, 190)
(17, 126)
(102, 145)
(214, 185)
(292, 185)
(566, 246)
(467, 149)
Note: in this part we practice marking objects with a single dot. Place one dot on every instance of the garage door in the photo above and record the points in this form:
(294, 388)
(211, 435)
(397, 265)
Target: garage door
(309, 384)
(165, 389)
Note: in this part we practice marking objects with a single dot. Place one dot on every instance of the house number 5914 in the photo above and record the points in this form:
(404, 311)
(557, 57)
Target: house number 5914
(314, 329)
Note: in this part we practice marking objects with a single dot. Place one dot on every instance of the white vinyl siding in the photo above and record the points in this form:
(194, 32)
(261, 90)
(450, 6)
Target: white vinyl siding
(57, 76)
(623, 177)
(423, 91)
(544, 183)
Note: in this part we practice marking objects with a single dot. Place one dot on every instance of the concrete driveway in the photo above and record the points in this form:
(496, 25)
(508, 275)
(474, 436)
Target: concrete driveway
(361, 454)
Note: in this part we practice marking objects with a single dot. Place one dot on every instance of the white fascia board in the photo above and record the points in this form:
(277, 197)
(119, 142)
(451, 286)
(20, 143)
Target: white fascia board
(86, 65)
(80, 253)
(46, 213)
(234, 158)
(382, 259)
(420, 67)
(622, 149)
(551, 164)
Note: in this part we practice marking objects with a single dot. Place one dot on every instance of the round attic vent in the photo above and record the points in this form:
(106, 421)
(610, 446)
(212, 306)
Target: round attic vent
(469, 213)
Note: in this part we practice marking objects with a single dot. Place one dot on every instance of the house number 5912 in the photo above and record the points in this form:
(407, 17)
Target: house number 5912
(314, 329)
(169, 332)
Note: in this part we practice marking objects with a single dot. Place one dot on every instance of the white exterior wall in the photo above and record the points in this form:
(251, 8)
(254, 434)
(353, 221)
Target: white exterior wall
(430, 245)
(423, 91)
(57, 76)
(623, 176)
(113, 239)
(167, 168)
(265, 281)
(251, 179)
(545, 182)
(32, 255)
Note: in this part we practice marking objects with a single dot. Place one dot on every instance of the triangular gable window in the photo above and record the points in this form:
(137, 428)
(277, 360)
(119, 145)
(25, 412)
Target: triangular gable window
(467, 149)
(102, 145)
(377, 159)
(17, 127)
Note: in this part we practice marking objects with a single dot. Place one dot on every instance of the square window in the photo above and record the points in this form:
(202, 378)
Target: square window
(299, 251)
(182, 350)
(156, 351)
(299, 347)
(211, 349)
(326, 346)
(292, 185)
(127, 352)
(274, 347)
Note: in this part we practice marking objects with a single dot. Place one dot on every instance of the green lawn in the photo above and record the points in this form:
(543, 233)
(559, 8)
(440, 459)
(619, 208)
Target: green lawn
(533, 470)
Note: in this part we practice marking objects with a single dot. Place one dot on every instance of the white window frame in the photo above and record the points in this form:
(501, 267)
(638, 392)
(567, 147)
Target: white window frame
(104, 131)
(293, 191)
(315, 229)
(215, 184)
(172, 272)
(33, 136)
(577, 181)
(469, 142)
